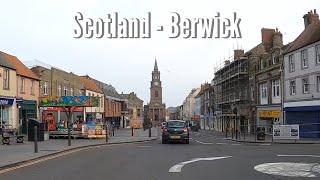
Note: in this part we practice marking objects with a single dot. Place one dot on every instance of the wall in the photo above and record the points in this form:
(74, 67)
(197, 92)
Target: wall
(312, 71)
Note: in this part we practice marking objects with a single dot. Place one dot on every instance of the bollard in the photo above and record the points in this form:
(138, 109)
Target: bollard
(149, 132)
(106, 133)
(69, 133)
(226, 133)
(236, 133)
(232, 133)
(132, 131)
(35, 139)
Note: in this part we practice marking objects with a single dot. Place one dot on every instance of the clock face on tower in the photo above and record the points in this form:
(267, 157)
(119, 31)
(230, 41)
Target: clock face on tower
(156, 83)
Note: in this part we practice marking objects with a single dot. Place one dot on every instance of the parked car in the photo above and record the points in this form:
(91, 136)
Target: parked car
(175, 130)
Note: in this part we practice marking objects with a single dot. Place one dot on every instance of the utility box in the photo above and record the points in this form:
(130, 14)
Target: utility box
(40, 129)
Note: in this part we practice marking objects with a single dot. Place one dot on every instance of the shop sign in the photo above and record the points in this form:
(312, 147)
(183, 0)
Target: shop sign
(77, 101)
(6, 101)
(270, 114)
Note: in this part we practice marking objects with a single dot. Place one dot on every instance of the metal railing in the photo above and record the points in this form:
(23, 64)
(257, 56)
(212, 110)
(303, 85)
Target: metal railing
(264, 133)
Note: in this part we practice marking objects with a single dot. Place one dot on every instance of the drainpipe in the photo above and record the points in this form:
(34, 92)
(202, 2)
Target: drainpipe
(282, 94)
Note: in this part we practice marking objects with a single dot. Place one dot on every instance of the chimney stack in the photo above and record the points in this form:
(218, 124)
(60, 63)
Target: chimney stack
(277, 39)
(238, 53)
(267, 38)
(310, 18)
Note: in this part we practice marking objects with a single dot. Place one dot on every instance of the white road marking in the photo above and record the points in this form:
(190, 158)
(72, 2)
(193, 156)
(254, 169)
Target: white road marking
(200, 142)
(178, 167)
(290, 169)
(298, 155)
(221, 143)
(143, 146)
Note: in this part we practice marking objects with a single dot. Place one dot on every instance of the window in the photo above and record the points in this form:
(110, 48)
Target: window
(156, 94)
(304, 58)
(293, 87)
(65, 90)
(6, 79)
(59, 90)
(276, 88)
(89, 94)
(263, 90)
(32, 87)
(318, 83)
(273, 57)
(22, 85)
(291, 63)
(305, 85)
(45, 88)
(318, 54)
(71, 92)
(252, 93)
(261, 64)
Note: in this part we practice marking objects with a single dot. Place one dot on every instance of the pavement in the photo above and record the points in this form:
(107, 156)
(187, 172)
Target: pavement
(17, 153)
(251, 138)
(206, 157)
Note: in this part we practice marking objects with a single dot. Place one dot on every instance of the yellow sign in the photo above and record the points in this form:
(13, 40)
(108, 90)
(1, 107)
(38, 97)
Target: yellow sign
(270, 114)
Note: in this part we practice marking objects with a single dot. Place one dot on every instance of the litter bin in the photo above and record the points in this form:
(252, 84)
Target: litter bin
(261, 134)
(40, 129)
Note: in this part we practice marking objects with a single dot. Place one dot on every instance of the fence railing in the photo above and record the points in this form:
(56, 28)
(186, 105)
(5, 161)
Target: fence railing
(264, 133)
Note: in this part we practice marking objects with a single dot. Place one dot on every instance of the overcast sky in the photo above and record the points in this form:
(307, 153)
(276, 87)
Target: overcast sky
(44, 30)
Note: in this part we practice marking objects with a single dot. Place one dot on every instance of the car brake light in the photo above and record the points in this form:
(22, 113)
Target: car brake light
(185, 130)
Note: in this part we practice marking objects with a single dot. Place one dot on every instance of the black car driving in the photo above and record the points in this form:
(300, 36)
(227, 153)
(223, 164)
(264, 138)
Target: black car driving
(175, 130)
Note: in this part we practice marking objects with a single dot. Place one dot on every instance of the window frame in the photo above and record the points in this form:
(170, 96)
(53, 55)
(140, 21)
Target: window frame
(293, 84)
(22, 85)
(273, 57)
(45, 88)
(6, 79)
(292, 63)
(305, 85)
(32, 88)
(317, 50)
(304, 59)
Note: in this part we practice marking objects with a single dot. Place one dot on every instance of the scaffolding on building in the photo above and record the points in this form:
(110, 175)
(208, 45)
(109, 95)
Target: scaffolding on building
(231, 90)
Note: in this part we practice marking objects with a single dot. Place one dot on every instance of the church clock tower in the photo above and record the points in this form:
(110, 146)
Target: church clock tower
(156, 107)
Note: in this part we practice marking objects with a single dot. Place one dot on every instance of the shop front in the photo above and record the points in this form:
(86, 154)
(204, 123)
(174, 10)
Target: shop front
(7, 113)
(27, 109)
(308, 118)
(269, 116)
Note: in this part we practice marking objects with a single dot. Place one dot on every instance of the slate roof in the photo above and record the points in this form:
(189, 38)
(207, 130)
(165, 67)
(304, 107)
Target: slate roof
(310, 35)
(21, 69)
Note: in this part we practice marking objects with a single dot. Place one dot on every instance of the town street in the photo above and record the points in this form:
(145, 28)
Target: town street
(221, 159)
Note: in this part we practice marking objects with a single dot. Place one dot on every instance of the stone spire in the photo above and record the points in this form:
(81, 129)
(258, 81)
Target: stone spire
(155, 66)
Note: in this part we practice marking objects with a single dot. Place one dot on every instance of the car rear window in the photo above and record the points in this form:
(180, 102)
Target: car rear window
(175, 124)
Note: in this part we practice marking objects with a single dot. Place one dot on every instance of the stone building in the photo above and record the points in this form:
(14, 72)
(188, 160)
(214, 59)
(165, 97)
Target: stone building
(302, 79)
(56, 82)
(157, 109)
(27, 92)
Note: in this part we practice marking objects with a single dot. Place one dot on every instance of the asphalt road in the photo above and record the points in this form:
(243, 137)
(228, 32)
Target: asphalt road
(153, 161)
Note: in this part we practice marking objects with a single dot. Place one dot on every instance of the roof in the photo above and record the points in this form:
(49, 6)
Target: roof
(5, 63)
(19, 66)
(310, 35)
(155, 66)
(90, 85)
